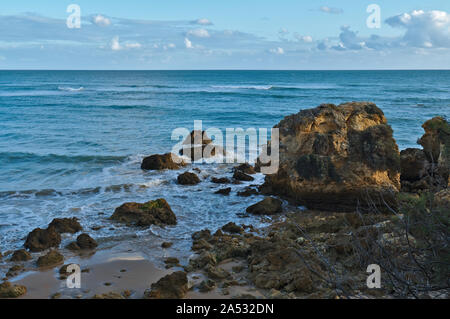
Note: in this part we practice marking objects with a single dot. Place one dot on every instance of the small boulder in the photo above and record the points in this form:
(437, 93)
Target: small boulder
(166, 244)
(21, 255)
(84, 241)
(66, 225)
(224, 191)
(232, 228)
(247, 192)
(7, 290)
(188, 178)
(173, 286)
(241, 176)
(156, 212)
(222, 180)
(268, 206)
(52, 258)
(160, 162)
(172, 262)
(198, 145)
(41, 239)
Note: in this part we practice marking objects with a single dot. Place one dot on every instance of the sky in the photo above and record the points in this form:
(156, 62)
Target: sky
(219, 34)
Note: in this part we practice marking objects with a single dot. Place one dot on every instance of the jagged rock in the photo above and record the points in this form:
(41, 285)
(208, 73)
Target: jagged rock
(156, 212)
(224, 191)
(222, 180)
(7, 290)
(173, 286)
(268, 206)
(246, 168)
(188, 178)
(232, 228)
(66, 225)
(160, 162)
(241, 176)
(52, 258)
(336, 157)
(41, 239)
(428, 169)
(84, 241)
(21, 255)
(198, 146)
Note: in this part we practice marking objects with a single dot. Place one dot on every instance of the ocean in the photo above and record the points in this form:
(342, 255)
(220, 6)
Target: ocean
(71, 142)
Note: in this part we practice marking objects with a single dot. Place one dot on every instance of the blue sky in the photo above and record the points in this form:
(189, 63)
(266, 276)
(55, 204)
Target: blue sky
(197, 34)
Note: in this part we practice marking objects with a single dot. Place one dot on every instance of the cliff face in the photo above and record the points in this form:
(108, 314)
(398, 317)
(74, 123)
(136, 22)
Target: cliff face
(336, 157)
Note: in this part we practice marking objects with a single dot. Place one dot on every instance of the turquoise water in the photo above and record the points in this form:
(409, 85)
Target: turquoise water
(71, 142)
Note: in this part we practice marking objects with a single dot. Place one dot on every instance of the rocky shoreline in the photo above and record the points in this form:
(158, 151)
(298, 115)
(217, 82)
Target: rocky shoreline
(344, 165)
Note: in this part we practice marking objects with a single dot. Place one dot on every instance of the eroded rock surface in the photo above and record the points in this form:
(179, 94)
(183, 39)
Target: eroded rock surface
(156, 212)
(66, 225)
(336, 157)
(160, 162)
(188, 178)
(173, 286)
(41, 239)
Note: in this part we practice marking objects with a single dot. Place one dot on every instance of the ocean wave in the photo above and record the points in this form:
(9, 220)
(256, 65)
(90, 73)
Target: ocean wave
(54, 158)
(70, 89)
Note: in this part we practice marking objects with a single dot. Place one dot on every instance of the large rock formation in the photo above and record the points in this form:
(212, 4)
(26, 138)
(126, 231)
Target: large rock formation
(428, 169)
(156, 212)
(336, 158)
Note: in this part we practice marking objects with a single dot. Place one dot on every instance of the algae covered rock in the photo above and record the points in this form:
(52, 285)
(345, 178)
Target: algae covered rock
(66, 225)
(41, 239)
(155, 212)
(52, 258)
(7, 290)
(84, 241)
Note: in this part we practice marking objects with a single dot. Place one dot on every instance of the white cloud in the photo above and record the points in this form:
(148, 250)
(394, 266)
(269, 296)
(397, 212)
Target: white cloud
(169, 46)
(424, 29)
(188, 43)
(101, 21)
(115, 45)
(304, 38)
(349, 40)
(200, 33)
(331, 10)
(202, 21)
(279, 51)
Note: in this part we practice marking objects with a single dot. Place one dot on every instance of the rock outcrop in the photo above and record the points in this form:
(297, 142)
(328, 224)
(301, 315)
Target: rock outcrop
(173, 286)
(160, 162)
(41, 239)
(336, 158)
(198, 146)
(21, 255)
(7, 290)
(156, 212)
(188, 178)
(428, 169)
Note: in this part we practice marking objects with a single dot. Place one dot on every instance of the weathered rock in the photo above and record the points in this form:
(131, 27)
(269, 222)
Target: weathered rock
(224, 191)
(66, 225)
(156, 212)
(14, 271)
(109, 295)
(84, 241)
(232, 228)
(436, 140)
(222, 180)
(336, 157)
(173, 286)
(21, 255)
(268, 206)
(172, 262)
(42, 239)
(160, 162)
(414, 164)
(52, 258)
(7, 290)
(241, 176)
(246, 168)
(198, 146)
(188, 178)
(207, 285)
(166, 244)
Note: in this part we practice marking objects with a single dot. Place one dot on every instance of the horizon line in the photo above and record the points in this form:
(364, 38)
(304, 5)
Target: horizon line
(144, 70)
